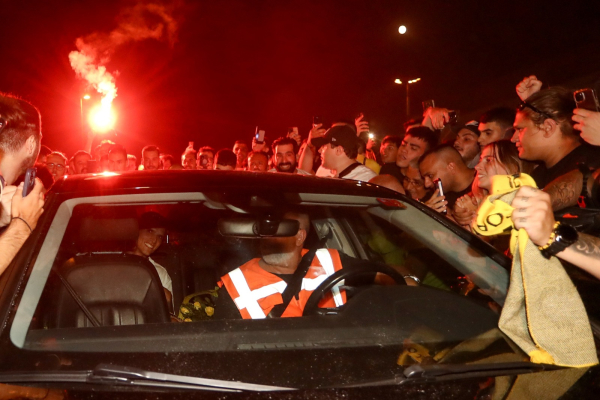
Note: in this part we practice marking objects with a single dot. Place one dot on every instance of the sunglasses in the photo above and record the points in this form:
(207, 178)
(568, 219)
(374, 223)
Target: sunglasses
(525, 105)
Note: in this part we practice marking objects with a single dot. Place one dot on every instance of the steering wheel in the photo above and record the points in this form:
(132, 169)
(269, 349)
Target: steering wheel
(312, 304)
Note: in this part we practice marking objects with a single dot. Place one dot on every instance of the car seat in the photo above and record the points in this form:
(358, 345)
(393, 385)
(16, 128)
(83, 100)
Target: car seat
(118, 289)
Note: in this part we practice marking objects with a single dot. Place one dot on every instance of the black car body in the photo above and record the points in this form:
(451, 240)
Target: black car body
(436, 340)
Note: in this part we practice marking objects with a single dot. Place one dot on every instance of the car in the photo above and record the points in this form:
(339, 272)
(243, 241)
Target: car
(84, 318)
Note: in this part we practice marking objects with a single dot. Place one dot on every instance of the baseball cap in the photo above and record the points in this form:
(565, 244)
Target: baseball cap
(473, 126)
(339, 135)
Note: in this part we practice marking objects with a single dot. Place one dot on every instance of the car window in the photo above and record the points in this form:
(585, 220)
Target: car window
(126, 292)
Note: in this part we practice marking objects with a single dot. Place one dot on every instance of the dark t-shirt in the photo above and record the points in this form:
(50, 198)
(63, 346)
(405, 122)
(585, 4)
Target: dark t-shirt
(590, 155)
(451, 197)
(225, 308)
(393, 170)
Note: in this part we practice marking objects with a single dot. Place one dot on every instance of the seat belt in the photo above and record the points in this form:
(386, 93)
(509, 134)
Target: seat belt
(295, 285)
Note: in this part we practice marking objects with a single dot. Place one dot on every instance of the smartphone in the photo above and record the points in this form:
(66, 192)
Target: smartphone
(371, 136)
(317, 120)
(453, 117)
(438, 185)
(587, 99)
(190, 145)
(29, 181)
(259, 136)
(428, 104)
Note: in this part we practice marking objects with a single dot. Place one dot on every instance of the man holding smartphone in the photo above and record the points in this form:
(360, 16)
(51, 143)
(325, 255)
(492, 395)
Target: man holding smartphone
(20, 137)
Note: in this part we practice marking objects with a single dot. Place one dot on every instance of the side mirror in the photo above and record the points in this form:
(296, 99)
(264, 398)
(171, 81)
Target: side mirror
(258, 228)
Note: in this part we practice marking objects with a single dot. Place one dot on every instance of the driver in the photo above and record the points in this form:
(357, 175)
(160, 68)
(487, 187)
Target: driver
(253, 289)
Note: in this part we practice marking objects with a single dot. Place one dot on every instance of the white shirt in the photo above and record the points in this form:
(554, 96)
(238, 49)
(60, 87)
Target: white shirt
(325, 172)
(360, 173)
(165, 279)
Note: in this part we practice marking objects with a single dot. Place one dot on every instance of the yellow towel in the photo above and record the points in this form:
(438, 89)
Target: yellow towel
(543, 313)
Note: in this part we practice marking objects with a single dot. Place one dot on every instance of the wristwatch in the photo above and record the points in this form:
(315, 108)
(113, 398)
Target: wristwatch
(561, 237)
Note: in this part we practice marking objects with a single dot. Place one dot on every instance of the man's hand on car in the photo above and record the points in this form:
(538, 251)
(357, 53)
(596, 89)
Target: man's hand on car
(533, 212)
(588, 122)
(28, 208)
(528, 86)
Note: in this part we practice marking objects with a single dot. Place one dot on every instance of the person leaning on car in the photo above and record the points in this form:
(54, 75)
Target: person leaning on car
(252, 290)
(20, 141)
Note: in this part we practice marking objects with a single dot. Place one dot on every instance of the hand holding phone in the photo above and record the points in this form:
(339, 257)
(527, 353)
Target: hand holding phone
(259, 136)
(317, 120)
(29, 182)
(437, 184)
(586, 99)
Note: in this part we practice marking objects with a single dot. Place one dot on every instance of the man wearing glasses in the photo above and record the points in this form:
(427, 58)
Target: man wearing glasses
(544, 132)
(56, 162)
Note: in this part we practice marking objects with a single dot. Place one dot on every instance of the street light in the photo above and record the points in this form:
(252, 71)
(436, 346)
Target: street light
(399, 82)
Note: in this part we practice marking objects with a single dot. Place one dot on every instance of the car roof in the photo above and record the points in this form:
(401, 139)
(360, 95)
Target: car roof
(178, 179)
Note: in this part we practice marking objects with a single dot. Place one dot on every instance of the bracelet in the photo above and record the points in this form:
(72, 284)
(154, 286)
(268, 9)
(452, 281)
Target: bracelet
(552, 237)
(30, 230)
(414, 278)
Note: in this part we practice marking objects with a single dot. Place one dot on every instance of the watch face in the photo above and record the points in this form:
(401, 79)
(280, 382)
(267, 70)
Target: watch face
(566, 233)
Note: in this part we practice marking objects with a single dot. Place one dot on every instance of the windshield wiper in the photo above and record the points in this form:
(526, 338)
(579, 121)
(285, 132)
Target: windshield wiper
(438, 372)
(118, 375)
(106, 373)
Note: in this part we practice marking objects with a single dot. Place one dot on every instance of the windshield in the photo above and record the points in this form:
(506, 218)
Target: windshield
(163, 266)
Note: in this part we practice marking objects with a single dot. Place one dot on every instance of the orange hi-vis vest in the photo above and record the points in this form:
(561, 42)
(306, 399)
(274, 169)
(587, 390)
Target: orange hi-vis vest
(255, 291)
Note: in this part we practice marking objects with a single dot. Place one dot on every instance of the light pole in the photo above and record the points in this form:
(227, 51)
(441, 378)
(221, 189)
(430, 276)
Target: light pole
(399, 82)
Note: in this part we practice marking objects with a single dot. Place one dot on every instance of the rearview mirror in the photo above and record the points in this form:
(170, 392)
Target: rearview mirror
(258, 228)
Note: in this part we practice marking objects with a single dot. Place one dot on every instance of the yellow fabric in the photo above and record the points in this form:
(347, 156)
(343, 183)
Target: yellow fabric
(543, 313)
(369, 163)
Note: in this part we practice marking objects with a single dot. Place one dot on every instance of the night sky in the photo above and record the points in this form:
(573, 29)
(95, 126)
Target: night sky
(238, 64)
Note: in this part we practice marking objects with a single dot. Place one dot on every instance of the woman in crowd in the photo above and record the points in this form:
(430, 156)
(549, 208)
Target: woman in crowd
(497, 158)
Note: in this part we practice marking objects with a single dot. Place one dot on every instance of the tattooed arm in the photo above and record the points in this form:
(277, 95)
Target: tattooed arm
(533, 212)
(585, 254)
(564, 190)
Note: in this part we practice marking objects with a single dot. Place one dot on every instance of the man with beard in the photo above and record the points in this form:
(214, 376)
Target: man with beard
(252, 290)
(151, 158)
(78, 163)
(284, 156)
(20, 137)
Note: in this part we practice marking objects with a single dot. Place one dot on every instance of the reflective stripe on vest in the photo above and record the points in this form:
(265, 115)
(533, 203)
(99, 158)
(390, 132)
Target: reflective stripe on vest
(327, 263)
(248, 299)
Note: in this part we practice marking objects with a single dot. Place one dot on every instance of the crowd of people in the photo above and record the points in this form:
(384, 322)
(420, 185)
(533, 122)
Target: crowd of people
(449, 167)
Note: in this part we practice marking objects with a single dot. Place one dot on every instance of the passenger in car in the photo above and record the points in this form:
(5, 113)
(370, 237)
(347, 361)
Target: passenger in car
(252, 290)
(152, 231)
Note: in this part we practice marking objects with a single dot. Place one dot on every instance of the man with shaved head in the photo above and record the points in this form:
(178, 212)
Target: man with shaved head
(445, 163)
